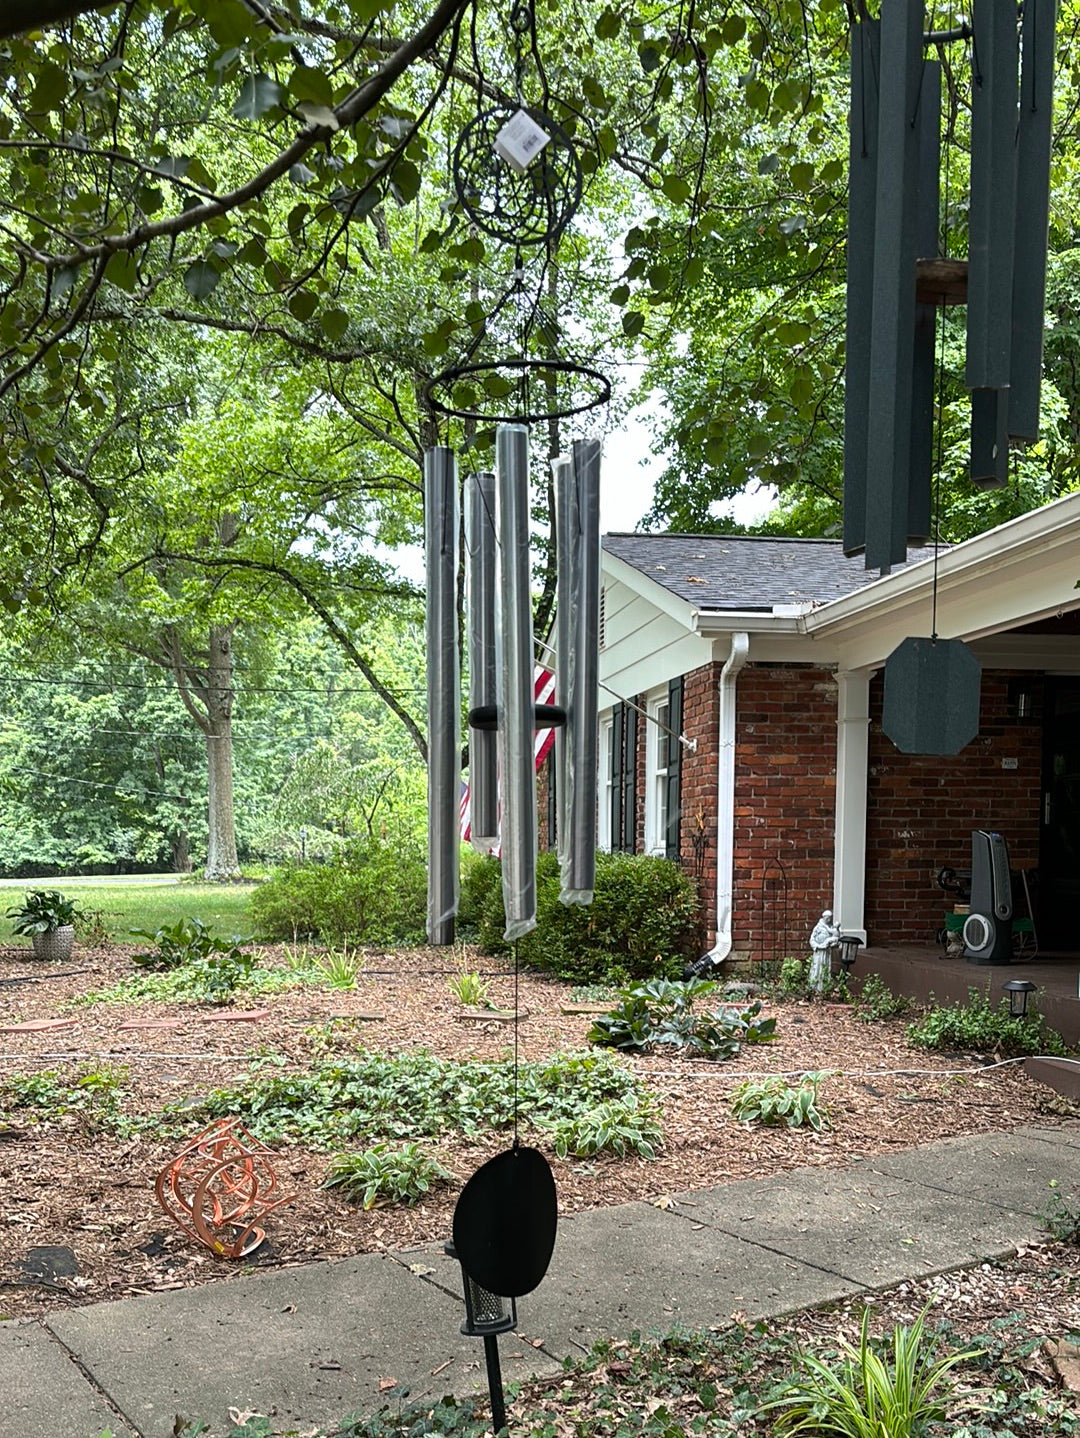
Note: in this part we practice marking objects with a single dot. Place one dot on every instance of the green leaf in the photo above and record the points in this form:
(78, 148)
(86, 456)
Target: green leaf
(302, 305)
(149, 199)
(307, 83)
(620, 294)
(201, 279)
(431, 242)
(404, 181)
(733, 29)
(50, 88)
(802, 176)
(608, 25)
(792, 225)
(121, 271)
(633, 322)
(676, 189)
(258, 94)
(301, 174)
(649, 57)
(334, 323)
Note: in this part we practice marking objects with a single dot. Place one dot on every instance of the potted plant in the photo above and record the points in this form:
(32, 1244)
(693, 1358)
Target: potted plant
(48, 917)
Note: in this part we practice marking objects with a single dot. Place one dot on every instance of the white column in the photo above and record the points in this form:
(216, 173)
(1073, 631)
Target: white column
(852, 750)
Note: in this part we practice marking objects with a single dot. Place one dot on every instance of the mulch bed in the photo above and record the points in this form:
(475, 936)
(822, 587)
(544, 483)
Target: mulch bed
(66, 1192)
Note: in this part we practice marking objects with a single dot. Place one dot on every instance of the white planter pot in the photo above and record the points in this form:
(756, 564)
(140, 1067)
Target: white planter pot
(54, 945)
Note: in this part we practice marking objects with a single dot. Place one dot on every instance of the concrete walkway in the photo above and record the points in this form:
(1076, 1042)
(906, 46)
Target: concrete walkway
(308, 1345)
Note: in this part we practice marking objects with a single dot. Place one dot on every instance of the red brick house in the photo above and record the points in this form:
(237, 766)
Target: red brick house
(740, 727)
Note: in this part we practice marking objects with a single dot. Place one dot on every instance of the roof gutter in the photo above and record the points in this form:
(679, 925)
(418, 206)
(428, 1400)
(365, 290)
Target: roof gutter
(725, 807)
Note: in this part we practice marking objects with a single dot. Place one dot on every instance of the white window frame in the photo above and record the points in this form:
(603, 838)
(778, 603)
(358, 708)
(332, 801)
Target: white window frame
(603, 781)
(658, 708)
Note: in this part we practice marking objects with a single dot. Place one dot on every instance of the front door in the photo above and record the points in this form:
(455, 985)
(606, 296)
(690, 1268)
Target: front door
(1059, 839)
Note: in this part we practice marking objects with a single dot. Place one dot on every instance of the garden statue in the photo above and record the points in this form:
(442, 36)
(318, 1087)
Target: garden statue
(823, 939)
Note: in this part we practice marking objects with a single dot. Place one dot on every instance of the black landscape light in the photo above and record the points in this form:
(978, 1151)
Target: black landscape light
(849, 952)
(1018, 990)
(486, 1316)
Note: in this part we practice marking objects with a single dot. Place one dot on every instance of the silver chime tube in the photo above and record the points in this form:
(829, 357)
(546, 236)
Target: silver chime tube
(514, 678)
(443, 690)
(566, 526)
(480, 629)
(579, 862)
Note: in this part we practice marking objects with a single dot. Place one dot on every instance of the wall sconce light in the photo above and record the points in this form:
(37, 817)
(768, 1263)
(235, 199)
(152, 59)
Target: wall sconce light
(1018, 991)
(486, 1316)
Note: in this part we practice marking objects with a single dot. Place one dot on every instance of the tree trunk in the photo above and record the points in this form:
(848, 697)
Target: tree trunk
(221, 860)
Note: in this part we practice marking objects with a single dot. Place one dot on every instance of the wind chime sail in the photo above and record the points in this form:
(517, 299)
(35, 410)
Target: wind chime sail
(897, 277)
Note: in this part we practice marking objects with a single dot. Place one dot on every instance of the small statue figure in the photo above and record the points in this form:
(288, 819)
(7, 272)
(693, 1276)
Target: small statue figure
(823, 939)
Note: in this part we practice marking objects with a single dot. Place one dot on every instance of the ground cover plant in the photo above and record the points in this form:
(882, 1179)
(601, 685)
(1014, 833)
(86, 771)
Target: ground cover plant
(103, 1127)
(980, 1027)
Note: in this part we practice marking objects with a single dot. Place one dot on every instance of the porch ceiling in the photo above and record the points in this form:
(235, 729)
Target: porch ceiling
(1022, 571)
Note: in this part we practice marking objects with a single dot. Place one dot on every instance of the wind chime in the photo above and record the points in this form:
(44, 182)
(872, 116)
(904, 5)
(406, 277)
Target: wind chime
(897, 278)
(519, 181)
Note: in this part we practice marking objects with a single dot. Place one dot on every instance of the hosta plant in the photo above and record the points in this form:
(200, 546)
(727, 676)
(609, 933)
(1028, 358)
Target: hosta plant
(775, 1101)
(386, 1174)
(869, 1394)
(662, 1011)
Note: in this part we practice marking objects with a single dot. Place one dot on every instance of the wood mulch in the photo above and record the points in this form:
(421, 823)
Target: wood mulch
(63, 1189)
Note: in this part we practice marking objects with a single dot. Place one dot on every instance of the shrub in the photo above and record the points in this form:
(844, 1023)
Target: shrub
(641, 924)
(976, 1027)
(373, 892)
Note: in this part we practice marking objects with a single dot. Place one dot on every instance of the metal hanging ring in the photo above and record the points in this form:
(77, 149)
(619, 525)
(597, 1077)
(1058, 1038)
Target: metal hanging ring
(439, 391)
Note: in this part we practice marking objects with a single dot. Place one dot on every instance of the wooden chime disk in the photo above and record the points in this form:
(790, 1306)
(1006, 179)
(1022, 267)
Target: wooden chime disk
(505, 1222)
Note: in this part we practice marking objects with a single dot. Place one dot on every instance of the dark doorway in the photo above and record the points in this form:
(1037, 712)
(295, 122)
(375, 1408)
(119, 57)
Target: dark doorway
(1059, 835)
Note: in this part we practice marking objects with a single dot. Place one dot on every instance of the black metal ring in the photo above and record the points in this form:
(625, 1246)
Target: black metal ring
(526, 367)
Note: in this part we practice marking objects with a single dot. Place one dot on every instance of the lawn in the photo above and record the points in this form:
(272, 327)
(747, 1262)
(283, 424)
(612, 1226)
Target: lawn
(140, 904)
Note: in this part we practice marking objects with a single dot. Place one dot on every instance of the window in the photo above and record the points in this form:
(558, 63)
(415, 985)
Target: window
(603, 808)
(656, 773)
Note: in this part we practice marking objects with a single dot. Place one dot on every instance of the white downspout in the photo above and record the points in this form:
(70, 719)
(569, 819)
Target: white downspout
(725, 797)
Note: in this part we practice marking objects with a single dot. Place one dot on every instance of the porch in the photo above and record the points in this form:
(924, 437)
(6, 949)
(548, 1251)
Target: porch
(925, 974)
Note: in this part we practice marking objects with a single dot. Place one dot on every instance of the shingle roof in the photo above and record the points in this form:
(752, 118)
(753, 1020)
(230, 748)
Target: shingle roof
(724, 571)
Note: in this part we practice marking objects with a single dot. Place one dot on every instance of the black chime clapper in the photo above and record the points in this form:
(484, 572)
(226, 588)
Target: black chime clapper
(505, 1221)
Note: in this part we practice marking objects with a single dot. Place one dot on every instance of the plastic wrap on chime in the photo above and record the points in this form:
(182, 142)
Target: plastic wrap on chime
(577, 508)
(514, 679)
(480, 629)
(443, 690)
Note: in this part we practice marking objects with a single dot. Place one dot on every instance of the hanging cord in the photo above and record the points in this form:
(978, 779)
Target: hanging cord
(517, 1024)
(940, 410)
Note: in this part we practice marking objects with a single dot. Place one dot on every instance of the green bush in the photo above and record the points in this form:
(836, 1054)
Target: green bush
(642, 923)
(373, 892)
(977, 1028)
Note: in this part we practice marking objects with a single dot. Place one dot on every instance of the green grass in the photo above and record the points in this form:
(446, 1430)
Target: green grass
(143, 905)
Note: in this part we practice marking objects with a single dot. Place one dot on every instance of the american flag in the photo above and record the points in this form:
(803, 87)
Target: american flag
(543, 693)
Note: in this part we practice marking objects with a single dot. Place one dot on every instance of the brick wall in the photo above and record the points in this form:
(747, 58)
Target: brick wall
(785, 803)
(921, 810)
